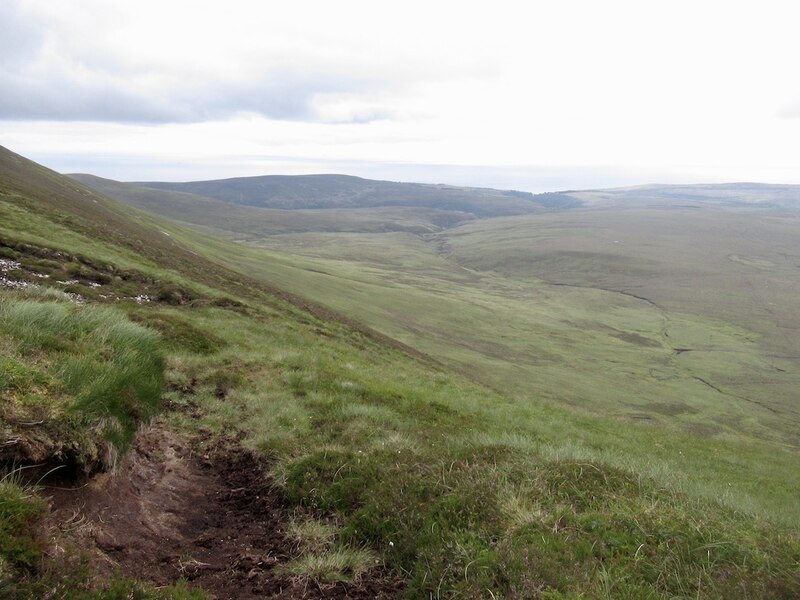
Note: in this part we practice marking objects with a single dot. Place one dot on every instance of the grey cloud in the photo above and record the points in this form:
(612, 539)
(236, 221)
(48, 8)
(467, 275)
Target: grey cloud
(90, 86)
(20, 38)
(61, 99)
(97, 98)
(280, 95)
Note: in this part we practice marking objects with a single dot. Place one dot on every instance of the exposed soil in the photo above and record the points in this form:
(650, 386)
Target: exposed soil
(211, 516)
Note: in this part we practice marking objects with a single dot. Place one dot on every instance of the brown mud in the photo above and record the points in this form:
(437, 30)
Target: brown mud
(205, 511)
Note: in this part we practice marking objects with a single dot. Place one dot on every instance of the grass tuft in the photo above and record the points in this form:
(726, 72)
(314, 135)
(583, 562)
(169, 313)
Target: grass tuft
(339, 565)
(20, 511)
(78, 379)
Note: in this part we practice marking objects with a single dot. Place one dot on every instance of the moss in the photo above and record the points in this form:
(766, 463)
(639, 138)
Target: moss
(17, 376)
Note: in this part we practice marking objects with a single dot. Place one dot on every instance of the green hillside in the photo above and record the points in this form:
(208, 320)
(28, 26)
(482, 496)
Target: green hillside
(417, 458)
(674, 316)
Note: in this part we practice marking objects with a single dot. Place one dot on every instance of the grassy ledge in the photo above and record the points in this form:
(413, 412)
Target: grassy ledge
(76, 381)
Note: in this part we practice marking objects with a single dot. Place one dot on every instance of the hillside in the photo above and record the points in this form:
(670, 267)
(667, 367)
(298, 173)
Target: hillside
(647, 283)
(298, 453)
(342, 191)
(253, 222)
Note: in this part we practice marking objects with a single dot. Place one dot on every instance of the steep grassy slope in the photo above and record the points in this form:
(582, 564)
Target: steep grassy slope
(381, 456)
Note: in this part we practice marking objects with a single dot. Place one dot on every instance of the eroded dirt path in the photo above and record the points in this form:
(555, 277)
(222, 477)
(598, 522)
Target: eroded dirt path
(210, 516)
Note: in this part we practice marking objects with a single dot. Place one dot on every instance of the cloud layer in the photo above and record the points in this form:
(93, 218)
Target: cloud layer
(49, 71)
(183, 62)
(620, 83)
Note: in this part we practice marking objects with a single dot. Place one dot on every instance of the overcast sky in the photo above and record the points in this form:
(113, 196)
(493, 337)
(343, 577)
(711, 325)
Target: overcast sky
(531, 95)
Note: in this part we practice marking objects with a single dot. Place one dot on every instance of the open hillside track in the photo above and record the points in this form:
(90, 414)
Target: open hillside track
(280, 449)
(204, 510)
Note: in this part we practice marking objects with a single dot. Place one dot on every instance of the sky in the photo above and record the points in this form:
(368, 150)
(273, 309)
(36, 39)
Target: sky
(525, 95)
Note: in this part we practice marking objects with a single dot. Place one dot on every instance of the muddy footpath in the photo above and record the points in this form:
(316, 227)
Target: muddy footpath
(202, 510)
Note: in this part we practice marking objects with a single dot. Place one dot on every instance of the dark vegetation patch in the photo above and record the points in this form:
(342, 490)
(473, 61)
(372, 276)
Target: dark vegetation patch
(341, 191)
(177, 332)
(636, 339)
(557, 200)
(88, 278)
(706, 429)
(259, 222)
(672, 409)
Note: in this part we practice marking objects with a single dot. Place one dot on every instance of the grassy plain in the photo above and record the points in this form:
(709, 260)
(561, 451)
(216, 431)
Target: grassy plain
(734, 267)
(461, 488)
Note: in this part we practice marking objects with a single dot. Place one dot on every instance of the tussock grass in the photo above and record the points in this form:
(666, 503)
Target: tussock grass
(20, 511)
(312, 535)
(75, 581)
(81, 378)
(463, 491)
(342, 564)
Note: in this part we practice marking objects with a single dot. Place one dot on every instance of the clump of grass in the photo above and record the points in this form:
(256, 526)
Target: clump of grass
(170, 293)
(320, 559)
(129, 589)
(311, 535)
(43, 293)
(339, 565)
(20, 511)
(178, 333)
(74, 580)
(79, 378)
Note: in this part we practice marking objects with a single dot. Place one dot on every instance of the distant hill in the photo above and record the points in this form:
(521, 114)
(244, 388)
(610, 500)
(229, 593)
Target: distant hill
(325, 192)
(343, 191)
(743, 195)
(253, 221)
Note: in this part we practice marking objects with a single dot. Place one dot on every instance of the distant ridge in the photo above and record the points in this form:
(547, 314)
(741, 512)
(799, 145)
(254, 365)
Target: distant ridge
(212, 214)
(293, 192)
(783, 197)
(344, 191)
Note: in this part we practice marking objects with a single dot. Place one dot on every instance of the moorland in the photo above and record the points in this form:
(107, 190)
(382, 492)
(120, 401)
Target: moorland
(442, 392)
